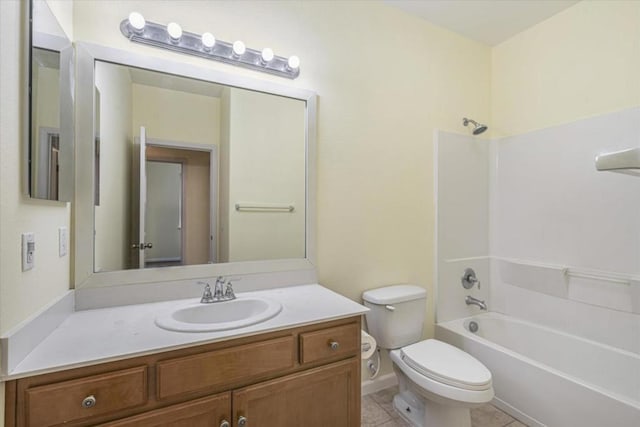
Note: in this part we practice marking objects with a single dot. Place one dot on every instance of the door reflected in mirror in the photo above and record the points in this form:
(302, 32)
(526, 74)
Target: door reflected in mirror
(192, 172)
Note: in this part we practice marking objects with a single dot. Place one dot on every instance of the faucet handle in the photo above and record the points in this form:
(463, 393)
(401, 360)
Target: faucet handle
(469, 279)
(206, 295)
(228, 292)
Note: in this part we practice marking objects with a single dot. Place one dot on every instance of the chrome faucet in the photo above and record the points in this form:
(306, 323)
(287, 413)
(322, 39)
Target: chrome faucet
(474, 301)
(220, 292)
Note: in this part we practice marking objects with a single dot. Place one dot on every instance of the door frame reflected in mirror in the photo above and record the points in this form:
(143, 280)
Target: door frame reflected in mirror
(84, 275)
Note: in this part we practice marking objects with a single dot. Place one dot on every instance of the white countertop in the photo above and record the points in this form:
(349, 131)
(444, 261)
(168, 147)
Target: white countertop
(103, 335)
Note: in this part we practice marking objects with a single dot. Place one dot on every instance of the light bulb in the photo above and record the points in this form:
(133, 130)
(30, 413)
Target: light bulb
(175, 31)
(208, 41)
(267, 54)
(239, 47)
(137, 22)
(293, 62)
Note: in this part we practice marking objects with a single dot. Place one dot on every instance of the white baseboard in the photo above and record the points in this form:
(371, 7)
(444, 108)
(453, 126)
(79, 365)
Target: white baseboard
(521, 416)
(380, 383)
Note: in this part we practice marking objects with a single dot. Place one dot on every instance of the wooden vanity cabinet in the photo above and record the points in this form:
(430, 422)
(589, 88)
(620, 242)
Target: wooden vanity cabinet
(307, 376)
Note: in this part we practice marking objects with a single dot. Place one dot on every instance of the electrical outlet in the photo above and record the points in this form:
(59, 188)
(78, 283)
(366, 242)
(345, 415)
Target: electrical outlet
(63, 241)
(28, 251)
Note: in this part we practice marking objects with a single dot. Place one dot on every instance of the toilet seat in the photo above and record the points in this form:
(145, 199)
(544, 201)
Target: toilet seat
(446, 364)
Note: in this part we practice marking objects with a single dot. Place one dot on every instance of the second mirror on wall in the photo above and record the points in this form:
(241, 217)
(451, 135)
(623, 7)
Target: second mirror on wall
(49, 146)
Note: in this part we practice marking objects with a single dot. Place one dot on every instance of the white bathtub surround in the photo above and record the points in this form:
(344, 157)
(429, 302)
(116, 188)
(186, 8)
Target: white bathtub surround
(547, 377)
(563, 252)
(551, 204)
(102, 335)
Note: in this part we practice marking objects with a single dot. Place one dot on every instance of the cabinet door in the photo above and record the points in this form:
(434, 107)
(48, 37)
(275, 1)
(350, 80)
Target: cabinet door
(211, 411)
(321, 397)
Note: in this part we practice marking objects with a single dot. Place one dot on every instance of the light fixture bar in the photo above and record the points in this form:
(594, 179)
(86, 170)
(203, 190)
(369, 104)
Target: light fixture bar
(190, 43)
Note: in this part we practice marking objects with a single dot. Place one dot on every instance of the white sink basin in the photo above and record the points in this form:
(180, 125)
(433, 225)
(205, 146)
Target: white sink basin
(219, 316)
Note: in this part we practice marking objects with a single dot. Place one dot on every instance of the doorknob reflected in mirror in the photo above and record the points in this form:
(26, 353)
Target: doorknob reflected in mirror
(142, 246)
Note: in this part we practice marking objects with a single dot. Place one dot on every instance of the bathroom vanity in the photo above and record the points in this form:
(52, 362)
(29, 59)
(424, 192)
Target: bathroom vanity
(263, 375)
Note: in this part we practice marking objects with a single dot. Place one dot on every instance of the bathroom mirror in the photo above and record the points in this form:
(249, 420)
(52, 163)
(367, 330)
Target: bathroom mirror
(186, 172)
(49, 144)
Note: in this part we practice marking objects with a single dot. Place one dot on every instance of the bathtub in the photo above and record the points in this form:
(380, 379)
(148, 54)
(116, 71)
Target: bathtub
(545, 377)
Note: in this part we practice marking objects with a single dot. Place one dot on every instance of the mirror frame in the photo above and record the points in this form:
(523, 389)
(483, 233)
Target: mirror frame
(83, 215)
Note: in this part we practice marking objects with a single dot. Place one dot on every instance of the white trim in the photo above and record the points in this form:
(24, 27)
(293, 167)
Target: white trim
(380, 383)
(515, 413)
(434, 291)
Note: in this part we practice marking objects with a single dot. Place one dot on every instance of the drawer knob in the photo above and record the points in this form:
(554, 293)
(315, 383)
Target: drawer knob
(334, 345)
(242, 421)
(89, 401)
(225, 423)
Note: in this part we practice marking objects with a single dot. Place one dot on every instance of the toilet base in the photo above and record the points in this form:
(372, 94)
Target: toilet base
(422, 412)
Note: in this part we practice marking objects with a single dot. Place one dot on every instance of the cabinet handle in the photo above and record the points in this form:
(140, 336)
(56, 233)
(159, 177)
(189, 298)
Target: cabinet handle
(147, 245)
(89, 402)
(242, 421)
(334, 345)
(225, 423)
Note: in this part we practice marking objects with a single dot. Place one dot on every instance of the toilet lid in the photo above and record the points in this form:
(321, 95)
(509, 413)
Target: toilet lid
(447, 364)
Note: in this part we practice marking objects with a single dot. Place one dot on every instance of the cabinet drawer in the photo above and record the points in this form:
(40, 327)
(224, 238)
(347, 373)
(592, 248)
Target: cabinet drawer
(329, 343)
(222, 368)
(210, 411)
(62, 402)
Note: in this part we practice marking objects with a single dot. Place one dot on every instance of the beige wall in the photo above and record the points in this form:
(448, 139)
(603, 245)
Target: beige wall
(266, 166)
(22, 294)
(375, 122)
(581, 62)
(176, 116)
(63, 12)
(113, 215)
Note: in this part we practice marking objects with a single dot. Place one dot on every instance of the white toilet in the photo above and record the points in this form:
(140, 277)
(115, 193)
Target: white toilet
(438, 382)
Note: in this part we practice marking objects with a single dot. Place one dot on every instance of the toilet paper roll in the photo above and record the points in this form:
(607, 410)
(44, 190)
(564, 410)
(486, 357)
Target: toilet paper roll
(368, 345)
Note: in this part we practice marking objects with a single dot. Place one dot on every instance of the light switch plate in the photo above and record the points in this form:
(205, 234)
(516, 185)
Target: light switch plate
(28, 251)
(63, 241)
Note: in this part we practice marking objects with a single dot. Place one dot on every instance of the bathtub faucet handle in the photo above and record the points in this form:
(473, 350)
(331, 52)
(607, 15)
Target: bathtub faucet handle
(469, 279)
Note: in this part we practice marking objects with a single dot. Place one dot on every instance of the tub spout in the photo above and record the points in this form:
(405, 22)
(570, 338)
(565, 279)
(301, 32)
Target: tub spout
(474, 301)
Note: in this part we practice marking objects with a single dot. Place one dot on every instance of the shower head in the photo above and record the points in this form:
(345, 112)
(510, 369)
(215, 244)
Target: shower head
(478, 128)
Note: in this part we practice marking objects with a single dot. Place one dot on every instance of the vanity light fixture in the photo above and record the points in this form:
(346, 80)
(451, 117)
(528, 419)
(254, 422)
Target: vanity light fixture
(239, 49)
(208, 41)
(175, 32)
(266, 55)
(137, 22)
(293, 63)
(172, 37)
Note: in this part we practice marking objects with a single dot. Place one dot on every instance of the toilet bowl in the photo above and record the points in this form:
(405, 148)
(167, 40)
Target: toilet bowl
(438, 382)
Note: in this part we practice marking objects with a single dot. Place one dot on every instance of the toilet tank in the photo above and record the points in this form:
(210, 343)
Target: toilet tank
(396, 315)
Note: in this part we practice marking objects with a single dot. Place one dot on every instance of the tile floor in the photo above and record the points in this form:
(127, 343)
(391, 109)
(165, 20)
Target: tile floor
(378, 411)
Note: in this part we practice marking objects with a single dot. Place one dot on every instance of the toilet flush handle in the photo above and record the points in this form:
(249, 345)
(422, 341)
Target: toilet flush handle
(390, 307)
